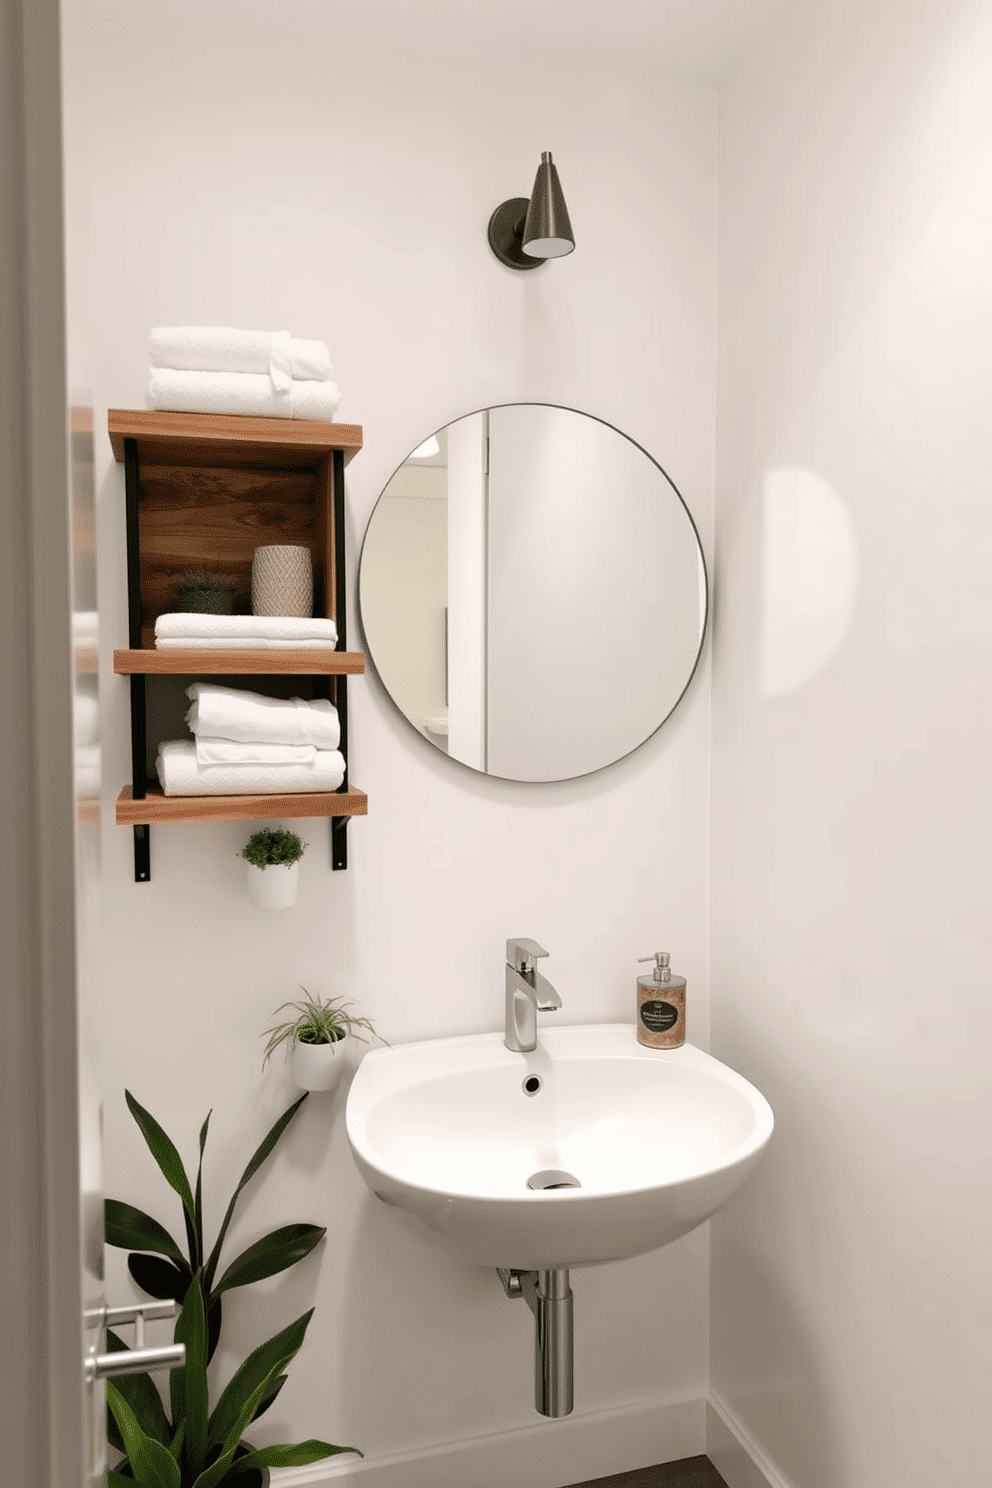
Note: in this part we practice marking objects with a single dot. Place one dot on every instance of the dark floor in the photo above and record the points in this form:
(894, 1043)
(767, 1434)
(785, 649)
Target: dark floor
(691, 1472)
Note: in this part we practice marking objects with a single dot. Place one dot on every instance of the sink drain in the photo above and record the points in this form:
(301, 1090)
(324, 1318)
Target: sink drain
(553, 1178)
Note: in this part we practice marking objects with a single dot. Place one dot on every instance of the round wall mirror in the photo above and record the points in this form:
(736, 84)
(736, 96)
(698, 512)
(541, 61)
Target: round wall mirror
(533, 592)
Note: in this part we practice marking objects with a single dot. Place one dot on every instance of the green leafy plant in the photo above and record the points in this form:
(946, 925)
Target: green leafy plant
(205, 592)
(317, 1021)
(273, 847)
(193, 1445)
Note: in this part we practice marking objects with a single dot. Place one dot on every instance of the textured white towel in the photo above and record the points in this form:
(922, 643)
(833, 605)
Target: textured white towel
(86, 770)
(226, 752)
(251, 718)
(295, 360)
(247, 393)
(85, 627)
(220, 630)
(85, 718)
(182, 776)
(226, 349)
(204, 643)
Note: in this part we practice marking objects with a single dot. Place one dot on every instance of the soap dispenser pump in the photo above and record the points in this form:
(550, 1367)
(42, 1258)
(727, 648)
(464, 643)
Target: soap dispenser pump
(660, 1005)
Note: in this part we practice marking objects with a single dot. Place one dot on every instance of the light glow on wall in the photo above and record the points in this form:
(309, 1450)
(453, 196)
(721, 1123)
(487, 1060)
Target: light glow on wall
(809, 578)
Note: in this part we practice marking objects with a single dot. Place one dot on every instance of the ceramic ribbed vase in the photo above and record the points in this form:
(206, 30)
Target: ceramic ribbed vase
(282, 581)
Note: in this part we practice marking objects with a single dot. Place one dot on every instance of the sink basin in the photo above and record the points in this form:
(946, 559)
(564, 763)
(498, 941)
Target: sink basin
(651, 1142)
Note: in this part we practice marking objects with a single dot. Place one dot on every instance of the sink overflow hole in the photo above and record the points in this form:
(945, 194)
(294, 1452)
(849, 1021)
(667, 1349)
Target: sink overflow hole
(552, 1178)
(532, 1084)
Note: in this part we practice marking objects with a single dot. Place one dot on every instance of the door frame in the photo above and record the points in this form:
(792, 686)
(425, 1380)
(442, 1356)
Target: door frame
(41, 1402)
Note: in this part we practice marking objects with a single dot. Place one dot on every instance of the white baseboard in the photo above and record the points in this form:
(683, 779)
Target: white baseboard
(734, 1452)
(546, 1455)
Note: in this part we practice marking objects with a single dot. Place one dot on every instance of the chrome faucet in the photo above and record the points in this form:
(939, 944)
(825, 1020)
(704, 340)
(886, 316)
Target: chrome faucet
(527, 992)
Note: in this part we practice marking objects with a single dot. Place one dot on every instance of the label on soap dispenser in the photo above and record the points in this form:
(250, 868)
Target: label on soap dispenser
(658, 1016)
(661, 1013)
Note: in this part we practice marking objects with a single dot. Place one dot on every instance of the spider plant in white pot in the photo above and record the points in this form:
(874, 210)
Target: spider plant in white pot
(272, 857)
(317, 1038)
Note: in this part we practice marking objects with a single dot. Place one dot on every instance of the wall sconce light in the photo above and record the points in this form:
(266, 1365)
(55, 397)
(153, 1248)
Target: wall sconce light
(523, 233)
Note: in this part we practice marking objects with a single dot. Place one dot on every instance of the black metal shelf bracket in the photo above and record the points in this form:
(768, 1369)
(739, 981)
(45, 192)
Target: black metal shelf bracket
(139, 732)
(339, 824)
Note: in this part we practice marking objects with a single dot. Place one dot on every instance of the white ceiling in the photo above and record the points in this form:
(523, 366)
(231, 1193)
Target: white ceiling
(697, 40)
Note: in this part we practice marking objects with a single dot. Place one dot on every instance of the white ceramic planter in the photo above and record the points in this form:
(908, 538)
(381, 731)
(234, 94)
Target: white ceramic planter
(319, 1066)
(273, 887)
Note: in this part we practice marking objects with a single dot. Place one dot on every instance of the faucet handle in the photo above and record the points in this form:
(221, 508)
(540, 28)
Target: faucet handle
(522, 954)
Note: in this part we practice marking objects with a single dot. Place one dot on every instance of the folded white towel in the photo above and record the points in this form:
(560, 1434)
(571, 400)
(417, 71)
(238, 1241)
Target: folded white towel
(85, 627)
(251, 718)
(276, 354)
(204, 643)
(246, 393)
(182, 776)
(295, 360)
(226, 752)
(86, 770)
(221, 630)
(85, 718)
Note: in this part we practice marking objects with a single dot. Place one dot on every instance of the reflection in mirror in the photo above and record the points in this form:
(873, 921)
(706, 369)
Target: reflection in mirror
(533, 592)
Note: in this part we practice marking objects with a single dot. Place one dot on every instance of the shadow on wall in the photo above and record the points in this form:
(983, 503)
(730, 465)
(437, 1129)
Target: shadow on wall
(779, 1382)
(450, 1358)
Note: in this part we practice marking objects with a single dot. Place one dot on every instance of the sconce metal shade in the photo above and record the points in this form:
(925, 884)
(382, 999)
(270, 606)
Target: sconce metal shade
(547, 230)
(540, 226)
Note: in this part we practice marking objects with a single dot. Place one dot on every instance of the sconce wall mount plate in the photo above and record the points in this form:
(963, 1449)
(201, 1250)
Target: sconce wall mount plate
(506, 231)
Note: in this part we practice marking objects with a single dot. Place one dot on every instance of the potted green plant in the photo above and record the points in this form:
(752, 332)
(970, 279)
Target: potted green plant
(197, 1443)
(203, 591)
(272, 856)
(317, 1038)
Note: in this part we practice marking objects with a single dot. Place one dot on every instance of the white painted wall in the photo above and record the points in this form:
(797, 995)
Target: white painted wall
(243, 176)
(852, 805)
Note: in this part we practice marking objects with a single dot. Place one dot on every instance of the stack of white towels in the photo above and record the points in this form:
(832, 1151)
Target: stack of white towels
(220, 369)
(195, 632)
(247, 744)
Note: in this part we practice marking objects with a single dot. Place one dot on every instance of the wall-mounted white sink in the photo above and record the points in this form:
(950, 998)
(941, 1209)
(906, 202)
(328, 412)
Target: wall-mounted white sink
(657, 1140)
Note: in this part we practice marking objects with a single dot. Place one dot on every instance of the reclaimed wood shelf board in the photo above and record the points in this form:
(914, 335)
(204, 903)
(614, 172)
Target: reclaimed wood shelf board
(228, 439)
(197, 661)
(157, 807)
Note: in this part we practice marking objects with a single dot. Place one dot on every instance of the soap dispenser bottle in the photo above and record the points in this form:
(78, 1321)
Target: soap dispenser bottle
(660, 1005)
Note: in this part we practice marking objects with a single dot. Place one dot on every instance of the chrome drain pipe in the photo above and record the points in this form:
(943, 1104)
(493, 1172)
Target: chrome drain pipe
(549, 1296)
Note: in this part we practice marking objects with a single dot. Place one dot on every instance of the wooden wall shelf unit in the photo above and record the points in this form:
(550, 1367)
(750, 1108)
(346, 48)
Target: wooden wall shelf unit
(203, 491)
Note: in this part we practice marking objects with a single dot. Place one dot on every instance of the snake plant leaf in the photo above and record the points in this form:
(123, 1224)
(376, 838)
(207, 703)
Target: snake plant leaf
(214, 1318)
(270, 1395)
(198, 1193)
(158, 1277)
(275, 1252)
(118, 1480)
(311, 1450)
(218, 1470)
(131, 1229)
(261, 1152)
(164, 1152)
(261, 1367)
(152, 1464)
(139, 1392)
(191, 1329)
(176, 1444)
